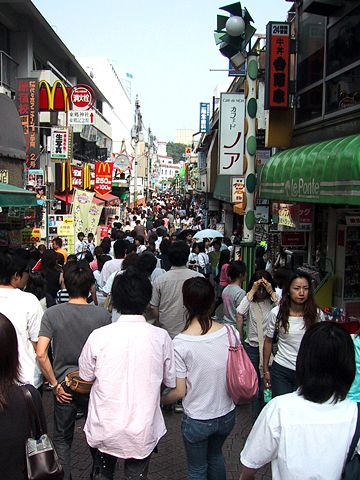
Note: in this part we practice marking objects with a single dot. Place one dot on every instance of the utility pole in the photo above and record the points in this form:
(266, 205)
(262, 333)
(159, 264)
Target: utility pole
(137, 128)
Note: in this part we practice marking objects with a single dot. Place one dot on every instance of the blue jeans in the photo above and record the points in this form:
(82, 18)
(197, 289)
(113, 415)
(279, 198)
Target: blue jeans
(203, 440)
(64, 423)
(283, 380)
(257, 404)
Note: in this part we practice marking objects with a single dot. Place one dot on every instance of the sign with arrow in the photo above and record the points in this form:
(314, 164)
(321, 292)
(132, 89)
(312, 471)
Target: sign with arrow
(81, 117)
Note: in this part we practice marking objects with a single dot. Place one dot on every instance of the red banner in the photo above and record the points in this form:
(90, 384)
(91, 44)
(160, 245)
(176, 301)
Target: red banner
(278, 65)
(103, 177)
(27, 104)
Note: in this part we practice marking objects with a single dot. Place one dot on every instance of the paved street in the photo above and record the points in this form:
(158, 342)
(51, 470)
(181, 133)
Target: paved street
(170, 461)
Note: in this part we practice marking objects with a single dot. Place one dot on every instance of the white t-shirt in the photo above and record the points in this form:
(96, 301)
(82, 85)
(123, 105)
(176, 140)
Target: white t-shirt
(110, 267)
(250, 310)
(202, 361)
(288, 343)
(25, 313)
(303, 440)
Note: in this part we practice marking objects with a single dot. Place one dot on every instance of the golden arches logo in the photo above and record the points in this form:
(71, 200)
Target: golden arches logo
(53, 98)
(103, 168)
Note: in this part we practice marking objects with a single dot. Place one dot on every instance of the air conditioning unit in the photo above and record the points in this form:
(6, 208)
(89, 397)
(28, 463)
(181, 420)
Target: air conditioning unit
(325, 8)
(5, 91)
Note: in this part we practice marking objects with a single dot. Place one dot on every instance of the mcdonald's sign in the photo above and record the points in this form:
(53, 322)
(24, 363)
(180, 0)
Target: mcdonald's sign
(55, 98)
(103, 177)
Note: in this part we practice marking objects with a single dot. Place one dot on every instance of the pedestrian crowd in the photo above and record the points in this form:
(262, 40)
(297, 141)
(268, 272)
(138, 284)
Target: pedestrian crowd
(128, 327)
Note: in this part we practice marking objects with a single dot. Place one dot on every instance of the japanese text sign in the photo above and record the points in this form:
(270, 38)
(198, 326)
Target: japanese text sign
(277, 65)
(27, 105)
(76, 177)
(59, 143)
(103, 177)
(238, 189)
(231, 137)
(204, 117)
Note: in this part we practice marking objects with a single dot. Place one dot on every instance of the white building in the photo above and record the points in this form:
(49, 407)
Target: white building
(167, 169)
(107, 78)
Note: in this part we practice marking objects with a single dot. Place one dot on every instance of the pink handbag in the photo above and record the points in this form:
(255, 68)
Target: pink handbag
(241, 377)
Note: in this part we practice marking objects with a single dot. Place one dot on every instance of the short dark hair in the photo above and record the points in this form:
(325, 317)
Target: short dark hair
(147, 263)
(131, 292)
(281, 276)
(49, 260)
(36, 285)
(80, 234)
(179, 253)
(199, 298)
(164, 246)
(325, 365)
(140, 239)
(236, 269)
(58, 241)
(78, 279)
(12, 262)
(106, 245)
(120, 248)
(9, 359)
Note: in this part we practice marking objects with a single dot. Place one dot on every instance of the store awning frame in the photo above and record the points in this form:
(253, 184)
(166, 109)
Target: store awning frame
(326, 172)
(12, 196)
(70, 199)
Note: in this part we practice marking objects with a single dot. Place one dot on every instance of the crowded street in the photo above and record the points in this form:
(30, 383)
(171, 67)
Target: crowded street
(179, 240)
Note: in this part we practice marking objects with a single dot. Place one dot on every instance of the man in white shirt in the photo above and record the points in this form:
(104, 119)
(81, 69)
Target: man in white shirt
(81, 246)
(23, 310)
(128, 361)
(113, 265)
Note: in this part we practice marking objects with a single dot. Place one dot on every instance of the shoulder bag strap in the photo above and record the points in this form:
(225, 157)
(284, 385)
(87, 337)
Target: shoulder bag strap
(33, 414)
(231, 332)
(356, 437)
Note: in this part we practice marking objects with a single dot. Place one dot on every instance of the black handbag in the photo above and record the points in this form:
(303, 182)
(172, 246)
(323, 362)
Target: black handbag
(352, 466)
(42, 462)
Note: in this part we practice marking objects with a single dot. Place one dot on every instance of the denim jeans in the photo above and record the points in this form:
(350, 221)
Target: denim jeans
(283, 380)
(64, 423)
(104, 466)
(203, 440)
(257, 404)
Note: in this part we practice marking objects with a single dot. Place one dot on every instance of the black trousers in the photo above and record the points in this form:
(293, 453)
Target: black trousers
(104, 466)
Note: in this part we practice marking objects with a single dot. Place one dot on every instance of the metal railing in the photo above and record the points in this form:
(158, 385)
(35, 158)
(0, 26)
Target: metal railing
(8, 71)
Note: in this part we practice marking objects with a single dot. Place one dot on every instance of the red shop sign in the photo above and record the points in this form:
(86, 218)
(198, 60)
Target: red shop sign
(293, 239)
(103, 177)
(277, 65)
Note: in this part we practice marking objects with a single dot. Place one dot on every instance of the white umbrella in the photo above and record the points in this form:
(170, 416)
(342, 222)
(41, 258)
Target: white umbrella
(207, 233)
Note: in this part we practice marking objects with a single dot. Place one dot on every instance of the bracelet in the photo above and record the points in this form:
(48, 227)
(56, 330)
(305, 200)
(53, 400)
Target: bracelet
(265, 373)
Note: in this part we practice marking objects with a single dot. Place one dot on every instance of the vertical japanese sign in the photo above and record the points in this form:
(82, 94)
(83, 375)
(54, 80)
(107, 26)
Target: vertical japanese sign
(231, 137)
(204, 117)
(277, 65)
(103, 177)
(238, 190)
(27, 105)
(59, 143)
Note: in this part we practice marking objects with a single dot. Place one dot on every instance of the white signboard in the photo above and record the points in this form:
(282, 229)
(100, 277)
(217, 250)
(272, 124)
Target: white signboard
(59, 143)
(81, 117)
(231, 138)
(238, 188)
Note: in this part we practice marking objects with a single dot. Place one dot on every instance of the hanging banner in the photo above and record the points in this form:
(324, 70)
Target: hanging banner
(288, 214)
(277, 65)
(59, 143)
(204, 117)
(82, 203)
(76, 177)
(103, 177)
(27, 104)
(231, 136)
(94, 218)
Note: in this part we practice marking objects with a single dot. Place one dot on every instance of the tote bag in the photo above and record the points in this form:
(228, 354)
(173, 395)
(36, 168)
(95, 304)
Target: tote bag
(241, 378)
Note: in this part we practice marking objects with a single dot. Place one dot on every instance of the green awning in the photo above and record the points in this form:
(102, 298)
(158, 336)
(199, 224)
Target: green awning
(11, 196)
(326, 172)
(222, 190)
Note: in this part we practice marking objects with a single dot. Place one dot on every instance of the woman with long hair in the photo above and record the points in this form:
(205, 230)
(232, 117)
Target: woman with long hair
(254, 309)
(201, 352)
(289, 321)
(14, 423)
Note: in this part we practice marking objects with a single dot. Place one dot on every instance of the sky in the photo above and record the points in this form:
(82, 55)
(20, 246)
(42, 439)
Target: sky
(167, 45)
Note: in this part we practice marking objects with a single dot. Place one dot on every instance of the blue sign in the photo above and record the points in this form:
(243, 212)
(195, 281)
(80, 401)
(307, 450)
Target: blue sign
(237, 72)
(204, 117)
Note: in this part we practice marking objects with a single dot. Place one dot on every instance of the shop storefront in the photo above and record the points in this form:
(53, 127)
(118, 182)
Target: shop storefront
(325, 176)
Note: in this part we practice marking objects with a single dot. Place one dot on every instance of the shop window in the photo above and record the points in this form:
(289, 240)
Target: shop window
(310, 50)
(343, 91)
(343, 46)
(309, 104)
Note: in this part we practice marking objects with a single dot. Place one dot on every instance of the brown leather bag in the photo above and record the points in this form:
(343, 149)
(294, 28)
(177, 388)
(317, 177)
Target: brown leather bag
(77, 384)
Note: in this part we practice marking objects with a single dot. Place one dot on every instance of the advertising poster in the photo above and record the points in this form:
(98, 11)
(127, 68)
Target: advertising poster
(94, 218)
(80, 209)
(62, 226)
(36, 183)
(27, 105)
